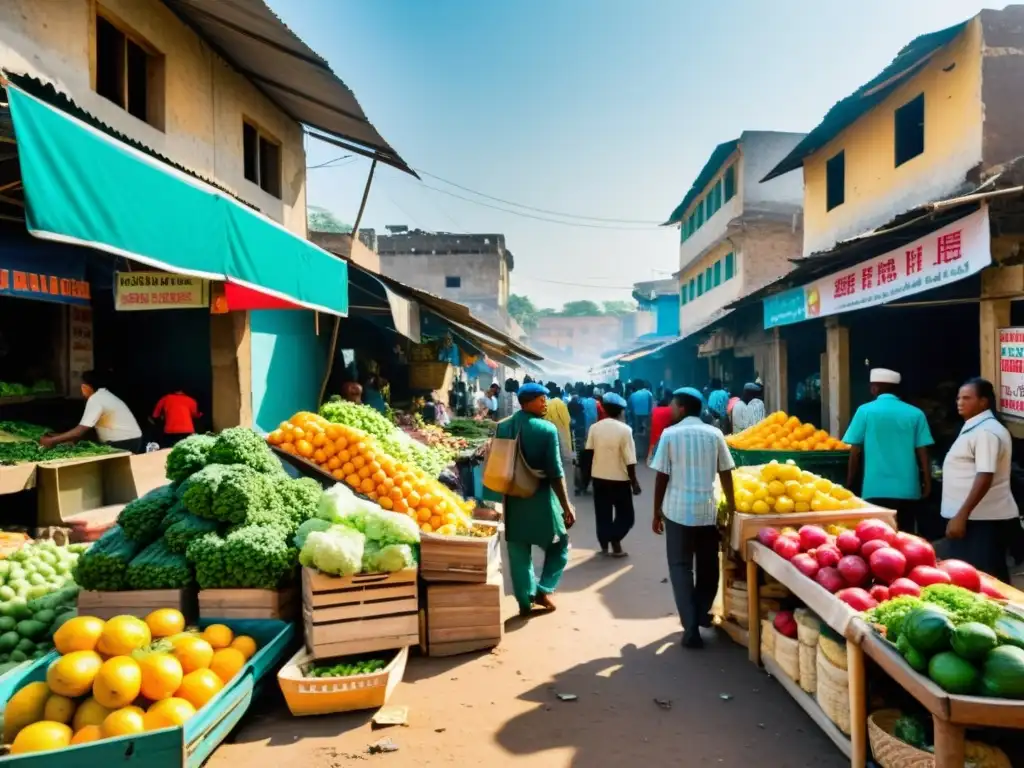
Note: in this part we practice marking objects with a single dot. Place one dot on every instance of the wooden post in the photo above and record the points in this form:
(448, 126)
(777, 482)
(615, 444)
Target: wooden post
(753, 613)
(994, 314)
(837, 345)
(949, 744)
(823, 369)
(781, 365)
(858, 705)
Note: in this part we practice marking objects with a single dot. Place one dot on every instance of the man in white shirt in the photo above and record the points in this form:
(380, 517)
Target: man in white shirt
(613, 470)
(487, 402)
(750, 410)
(106, 413)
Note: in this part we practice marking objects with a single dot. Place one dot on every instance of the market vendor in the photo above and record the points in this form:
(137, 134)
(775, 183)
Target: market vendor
(106, 413)
(976, 499)
(353, 392)
(486, 402)
(893, 438)
(372, 394)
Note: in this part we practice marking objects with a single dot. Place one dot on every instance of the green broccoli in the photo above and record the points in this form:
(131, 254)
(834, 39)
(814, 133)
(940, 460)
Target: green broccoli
(183, 529)
(156, 567)
(249, 556)
(142, 519)
(300, 498)
(197, 493)
(188, 457)
(245, 495)
(962, 604)
(239, 445)
(104, 565)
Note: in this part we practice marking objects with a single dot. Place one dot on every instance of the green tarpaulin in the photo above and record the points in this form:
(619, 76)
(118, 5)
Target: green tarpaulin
(87, 188)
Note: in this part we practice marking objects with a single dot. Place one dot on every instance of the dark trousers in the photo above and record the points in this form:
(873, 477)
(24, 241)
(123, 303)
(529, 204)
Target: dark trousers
(133, 446)
(693, 570)
(906, 512)
(985, 546)
(613, 508)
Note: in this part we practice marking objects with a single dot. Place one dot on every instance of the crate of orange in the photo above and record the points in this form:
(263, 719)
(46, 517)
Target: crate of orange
(351, 456)
(782, 438)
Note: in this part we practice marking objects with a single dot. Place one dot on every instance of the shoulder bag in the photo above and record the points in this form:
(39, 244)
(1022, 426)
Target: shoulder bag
(506, 471)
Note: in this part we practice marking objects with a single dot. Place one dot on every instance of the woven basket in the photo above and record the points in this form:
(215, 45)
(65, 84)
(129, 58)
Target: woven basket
(833, 692)
(808, 628)
(787, 654)
(890, 752)
(808, 668)
(767, 638)
(834, 652)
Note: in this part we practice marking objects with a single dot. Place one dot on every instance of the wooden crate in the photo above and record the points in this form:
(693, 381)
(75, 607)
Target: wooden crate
(359, 614)
(461, 618)
(141, 602)
(248, 603)
(464, 559)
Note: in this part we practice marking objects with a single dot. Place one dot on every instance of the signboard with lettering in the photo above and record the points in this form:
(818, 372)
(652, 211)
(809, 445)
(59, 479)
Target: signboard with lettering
(38, 272)
(1011, 372)
(159, 290)
(955, 251)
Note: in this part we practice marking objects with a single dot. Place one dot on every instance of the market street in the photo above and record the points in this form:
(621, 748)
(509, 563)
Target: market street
(613, 643)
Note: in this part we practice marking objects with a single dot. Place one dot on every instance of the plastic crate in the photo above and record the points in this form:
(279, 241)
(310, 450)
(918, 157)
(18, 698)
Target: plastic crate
(828, 464)
(188, 746)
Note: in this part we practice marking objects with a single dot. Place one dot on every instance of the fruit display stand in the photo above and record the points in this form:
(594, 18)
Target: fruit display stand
(745, 527)
(837, 615)
(187, 746)
(141, 602)
(831, 465)
(951, 714)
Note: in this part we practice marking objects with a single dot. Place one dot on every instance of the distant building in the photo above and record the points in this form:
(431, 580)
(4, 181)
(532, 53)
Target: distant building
(584, 340)
(472, 270)
(359, 253)
(658, 303)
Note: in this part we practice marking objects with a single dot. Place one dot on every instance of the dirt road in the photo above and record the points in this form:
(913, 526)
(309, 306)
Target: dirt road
(613, 643)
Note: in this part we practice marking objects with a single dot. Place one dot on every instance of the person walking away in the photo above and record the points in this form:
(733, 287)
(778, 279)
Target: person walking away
(976, 499)
(641, 403)
(892, 437)
(661, 419)
(558, 414)
(750, 410)
(613, 470)
(178, 412)
(718, 399)
(543, 519)
(578, 424)
(106, 413)
(688, 458)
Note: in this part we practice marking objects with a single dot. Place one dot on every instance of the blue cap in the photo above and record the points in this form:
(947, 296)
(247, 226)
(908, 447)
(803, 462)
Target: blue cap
(533, 389)
(691, 392)
(613, 398)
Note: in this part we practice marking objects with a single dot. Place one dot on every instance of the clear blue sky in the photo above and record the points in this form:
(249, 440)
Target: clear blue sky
(602, 108)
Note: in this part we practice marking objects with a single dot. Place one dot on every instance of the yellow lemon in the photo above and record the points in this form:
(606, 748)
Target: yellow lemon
(246, 645)
(59, 709)
(89, 712)
(759, 507)
(41, 737)
(776, 488)
(218, 636)
(78, 634)
(123, 722)
(122, 635)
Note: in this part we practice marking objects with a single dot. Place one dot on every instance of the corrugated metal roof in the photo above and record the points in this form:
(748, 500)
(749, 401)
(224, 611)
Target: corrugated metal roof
(248, 35)
(906, 64)
(711, 167)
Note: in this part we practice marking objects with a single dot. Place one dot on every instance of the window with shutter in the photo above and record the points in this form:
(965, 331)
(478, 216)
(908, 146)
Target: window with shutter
(718, 273)
(730, 265)
(730, 183)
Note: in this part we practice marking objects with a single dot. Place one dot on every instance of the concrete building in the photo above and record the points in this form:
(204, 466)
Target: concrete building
(583, 341)
(657, 308)
(472, 270)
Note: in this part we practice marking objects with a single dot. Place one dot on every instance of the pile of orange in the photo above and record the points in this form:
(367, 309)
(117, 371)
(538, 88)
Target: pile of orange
(357, 459)
(780, 432)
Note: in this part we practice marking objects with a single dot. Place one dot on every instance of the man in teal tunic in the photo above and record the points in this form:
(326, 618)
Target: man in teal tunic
(542, 519)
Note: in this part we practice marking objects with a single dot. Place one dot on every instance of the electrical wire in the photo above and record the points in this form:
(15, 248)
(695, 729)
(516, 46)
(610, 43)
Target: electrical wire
(576, 285)
(532, 208)
(329, 163)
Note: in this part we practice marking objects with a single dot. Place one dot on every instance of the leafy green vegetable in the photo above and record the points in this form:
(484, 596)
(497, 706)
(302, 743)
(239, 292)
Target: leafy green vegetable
(346, 669)
(337, 551)
(239, 445)
(23, 429)
(184, 529)
(142, 519)
(188, 457)
(892, 613)
(156, 567)
(19, 453)
(962, 605)
(104, 566)
(249, 556)
(300, 499)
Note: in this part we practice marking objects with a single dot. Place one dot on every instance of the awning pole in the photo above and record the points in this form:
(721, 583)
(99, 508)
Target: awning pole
(337, 320)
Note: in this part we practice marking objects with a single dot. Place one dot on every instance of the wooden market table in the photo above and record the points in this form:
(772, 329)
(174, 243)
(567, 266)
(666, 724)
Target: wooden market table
(951, 714)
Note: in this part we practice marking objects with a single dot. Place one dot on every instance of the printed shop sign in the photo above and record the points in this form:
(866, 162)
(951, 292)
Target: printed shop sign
(159, 290)
(956, 251)
(1011, 372)
(43, 275)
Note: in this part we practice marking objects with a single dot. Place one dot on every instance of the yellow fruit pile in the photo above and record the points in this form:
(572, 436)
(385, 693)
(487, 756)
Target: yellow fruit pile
(782, 489)
(357, 459)
(779, 432)
(121, 677)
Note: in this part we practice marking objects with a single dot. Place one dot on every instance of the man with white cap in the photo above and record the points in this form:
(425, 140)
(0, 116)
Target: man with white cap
(893, 438)
(613, 470)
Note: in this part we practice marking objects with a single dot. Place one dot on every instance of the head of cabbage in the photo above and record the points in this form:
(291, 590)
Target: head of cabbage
(337, 551)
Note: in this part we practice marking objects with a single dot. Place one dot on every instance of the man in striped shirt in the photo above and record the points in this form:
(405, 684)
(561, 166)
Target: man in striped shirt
(688, 458)
(750, 410)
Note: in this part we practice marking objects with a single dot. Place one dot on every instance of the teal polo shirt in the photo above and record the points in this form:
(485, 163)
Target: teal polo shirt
(890, 431)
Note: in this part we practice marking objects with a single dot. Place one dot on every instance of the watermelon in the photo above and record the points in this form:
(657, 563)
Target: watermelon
(1003, 673)
(928, 629)
(1010, 630)
(973, 640)
(953, 674)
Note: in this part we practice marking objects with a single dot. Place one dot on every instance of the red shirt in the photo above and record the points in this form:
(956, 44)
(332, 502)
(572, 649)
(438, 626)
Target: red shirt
(177, 410)
(661, 419)
(600, 411)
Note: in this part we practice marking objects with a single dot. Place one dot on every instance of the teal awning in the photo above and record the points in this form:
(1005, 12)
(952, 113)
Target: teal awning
(87, 188)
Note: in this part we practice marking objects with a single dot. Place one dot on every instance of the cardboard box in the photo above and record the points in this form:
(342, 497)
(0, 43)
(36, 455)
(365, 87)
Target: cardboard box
(73, 486)
(17, 478)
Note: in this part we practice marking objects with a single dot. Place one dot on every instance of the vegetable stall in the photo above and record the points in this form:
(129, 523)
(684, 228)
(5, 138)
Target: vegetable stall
(875, 606)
